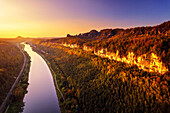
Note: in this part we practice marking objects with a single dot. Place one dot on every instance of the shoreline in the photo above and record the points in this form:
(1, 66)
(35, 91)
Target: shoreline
(58, 91)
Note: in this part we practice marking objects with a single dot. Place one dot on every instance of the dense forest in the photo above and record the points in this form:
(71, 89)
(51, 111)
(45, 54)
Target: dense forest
(140, 40)
(16, 103)
(91, 83)
(11, 61)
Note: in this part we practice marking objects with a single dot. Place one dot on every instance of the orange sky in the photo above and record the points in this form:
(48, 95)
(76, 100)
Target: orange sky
(57, 18)
(36, 19)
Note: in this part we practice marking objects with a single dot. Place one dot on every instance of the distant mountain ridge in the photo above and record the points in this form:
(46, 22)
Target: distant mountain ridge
(139, 40)
(131, 71)
(163, 28)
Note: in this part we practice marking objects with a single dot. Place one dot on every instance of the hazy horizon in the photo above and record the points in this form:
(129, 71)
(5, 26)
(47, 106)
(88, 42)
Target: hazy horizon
(83, 32)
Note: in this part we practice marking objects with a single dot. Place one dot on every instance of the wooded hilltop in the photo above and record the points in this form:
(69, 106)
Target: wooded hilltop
(114, 70)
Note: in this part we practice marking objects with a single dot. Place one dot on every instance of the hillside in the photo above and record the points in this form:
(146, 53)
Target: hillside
(11, 61)
(162, 29)
(122, 71)
(90, 83)
(145, 43)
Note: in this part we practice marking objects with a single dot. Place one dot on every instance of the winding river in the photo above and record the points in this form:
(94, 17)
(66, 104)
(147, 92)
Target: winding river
(41, 96)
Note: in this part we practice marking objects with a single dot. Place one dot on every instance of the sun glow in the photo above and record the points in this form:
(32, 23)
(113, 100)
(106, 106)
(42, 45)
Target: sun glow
(18, 18)
(38, 19)
(57, 18)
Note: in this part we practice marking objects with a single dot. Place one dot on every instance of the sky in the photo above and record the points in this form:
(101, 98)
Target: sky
(57, 18)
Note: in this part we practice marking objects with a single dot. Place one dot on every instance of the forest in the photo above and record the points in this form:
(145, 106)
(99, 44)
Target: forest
(139, 40)
(16, 103)
(90, 83)
(11, 61)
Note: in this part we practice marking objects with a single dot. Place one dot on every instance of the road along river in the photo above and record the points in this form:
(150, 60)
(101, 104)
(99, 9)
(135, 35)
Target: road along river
(41, 96)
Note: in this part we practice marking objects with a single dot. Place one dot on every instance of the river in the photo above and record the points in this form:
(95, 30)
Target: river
(41, 96)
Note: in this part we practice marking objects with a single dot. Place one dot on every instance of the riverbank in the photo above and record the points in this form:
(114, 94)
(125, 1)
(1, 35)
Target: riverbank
(16, 103)
(17, 90)
(94, 84)
(59, 93)
(41, 96)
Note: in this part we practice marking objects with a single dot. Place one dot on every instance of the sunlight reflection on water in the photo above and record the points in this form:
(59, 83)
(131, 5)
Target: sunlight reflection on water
(41, 96)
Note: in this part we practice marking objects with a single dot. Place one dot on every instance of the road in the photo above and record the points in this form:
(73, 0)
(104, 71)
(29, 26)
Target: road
(2, 107)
